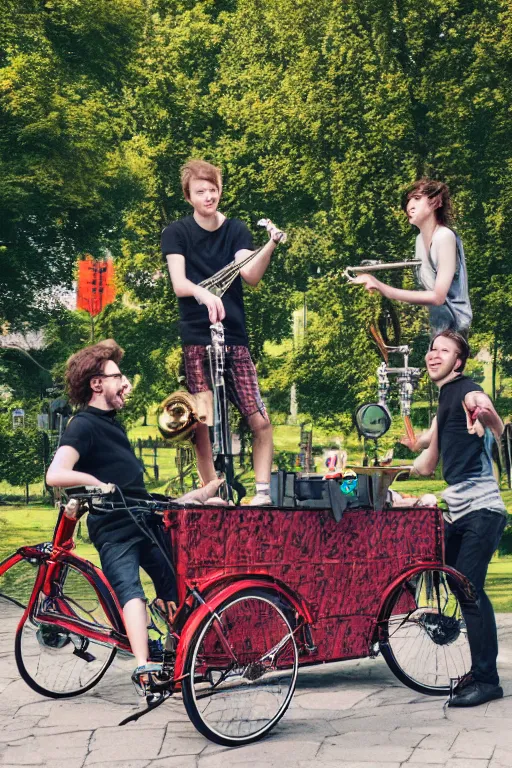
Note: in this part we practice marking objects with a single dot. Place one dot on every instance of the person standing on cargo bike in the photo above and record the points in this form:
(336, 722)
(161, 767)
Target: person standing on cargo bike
(95, 451)
(461, 435)
(194, 249)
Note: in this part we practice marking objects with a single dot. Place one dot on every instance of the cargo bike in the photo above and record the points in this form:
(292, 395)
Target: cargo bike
(261, 592)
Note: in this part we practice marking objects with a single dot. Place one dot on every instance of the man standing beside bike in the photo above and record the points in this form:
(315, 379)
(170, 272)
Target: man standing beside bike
(461, 435)
(95, 451)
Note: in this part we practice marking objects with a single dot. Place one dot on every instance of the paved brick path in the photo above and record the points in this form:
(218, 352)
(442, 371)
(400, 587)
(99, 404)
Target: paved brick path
(348, 715)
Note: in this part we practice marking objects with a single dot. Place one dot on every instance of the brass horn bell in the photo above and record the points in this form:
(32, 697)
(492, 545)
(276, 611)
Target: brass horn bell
(177, 416)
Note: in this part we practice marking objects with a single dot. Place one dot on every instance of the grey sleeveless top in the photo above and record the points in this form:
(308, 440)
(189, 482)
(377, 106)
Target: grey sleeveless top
(455, 314)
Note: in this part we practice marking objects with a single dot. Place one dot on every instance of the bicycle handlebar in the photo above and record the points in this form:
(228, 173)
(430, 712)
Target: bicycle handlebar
(92, 493)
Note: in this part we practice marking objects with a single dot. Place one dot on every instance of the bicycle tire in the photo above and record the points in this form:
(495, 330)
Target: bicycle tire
(423, 636)
(53, 660)
(237, 698)
(17, 577)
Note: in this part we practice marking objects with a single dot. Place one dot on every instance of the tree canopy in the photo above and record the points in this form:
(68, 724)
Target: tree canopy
(319, 113)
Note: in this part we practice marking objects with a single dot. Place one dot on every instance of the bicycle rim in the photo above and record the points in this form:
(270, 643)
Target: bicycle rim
(424, 637)
(242, 669)
(57, 661)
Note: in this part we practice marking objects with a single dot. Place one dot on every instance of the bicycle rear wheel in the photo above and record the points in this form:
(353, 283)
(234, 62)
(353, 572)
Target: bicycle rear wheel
(423, 635)
(57, 661)
(242, 668)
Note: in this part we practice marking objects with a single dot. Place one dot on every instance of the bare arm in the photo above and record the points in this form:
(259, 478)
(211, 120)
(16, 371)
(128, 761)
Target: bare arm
(426, 462)
(423, 440)
(182, 286)
(62, 475)
(481, 409)
(255, 269)
(447, 264)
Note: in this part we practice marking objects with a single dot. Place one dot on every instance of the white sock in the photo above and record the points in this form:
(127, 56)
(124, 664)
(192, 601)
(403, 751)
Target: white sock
(263, 488)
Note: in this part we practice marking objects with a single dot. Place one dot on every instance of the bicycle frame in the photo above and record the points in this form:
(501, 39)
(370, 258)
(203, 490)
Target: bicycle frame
(51, 558)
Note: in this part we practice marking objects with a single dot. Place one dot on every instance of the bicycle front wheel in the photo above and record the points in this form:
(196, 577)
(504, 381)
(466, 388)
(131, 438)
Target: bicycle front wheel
(423, 636)
(57, 661)
(241, 669)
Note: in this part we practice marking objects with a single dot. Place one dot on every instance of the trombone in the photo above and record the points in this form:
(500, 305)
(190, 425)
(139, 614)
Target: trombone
(378, 266)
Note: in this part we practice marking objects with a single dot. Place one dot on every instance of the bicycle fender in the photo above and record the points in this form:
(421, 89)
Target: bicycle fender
(464, 582)
(16, 557)
(99, 582)
(211, 605)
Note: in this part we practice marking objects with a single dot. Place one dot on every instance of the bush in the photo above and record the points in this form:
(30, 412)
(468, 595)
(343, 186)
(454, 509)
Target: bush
(286, 460)
(505, 547)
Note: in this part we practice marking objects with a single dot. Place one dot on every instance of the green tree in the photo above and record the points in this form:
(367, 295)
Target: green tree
(65, 177)
(22, 457)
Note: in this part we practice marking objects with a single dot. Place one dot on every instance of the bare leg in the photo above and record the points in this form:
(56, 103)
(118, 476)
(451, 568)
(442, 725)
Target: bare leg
(204, 454)
(135, 620)
(262, 446)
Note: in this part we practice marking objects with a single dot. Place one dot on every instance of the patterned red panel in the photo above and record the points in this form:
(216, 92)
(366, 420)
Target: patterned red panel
(340, 569)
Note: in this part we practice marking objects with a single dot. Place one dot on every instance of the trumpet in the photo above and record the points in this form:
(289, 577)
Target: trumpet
(378, 266)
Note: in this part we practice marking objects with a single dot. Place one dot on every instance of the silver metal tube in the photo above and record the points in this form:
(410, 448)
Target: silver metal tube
(380, 266)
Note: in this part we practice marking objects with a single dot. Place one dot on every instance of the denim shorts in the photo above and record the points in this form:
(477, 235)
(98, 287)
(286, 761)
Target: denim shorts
(121, 561)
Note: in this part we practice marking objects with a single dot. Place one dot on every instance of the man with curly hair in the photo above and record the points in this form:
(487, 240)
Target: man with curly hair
(95, 450)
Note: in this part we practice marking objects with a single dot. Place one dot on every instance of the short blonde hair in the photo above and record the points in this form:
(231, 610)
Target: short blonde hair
(199, 169)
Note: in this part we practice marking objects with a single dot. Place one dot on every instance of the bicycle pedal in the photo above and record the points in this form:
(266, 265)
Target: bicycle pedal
(158, 682)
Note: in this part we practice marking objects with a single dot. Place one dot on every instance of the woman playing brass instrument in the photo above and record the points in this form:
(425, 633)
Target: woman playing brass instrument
(442, 274)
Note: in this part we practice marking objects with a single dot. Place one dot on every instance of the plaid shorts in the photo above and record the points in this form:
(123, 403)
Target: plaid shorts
(240, 377)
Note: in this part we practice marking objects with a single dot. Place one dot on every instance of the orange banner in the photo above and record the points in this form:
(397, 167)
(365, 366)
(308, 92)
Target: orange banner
(96, 286)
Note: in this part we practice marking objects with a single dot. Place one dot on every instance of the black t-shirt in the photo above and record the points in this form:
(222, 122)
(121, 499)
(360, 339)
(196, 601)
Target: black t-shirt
(464, 456)
(205, 253)
(106, 453)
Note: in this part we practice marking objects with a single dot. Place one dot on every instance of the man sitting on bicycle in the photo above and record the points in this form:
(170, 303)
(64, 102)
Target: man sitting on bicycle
(95, 450)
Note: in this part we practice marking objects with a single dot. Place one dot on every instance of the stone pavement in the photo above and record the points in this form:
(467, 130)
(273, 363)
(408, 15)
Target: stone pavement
(348, 715)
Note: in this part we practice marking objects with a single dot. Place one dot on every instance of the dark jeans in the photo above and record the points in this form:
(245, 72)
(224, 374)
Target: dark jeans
(121, 561)
(469, 545)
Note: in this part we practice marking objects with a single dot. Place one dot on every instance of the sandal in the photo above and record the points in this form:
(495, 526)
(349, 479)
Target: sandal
(142, 676)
